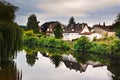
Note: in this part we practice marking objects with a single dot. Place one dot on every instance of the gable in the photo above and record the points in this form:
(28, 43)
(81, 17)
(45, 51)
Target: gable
(85, 29)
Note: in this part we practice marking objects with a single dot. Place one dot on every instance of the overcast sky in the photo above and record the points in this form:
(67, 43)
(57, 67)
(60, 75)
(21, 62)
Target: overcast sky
(89, 11)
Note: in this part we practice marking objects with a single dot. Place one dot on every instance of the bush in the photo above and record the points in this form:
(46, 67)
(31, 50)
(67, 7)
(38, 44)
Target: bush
(31, 39)
(115, 47)
(82, 44)
(98, 47)
(52, 42)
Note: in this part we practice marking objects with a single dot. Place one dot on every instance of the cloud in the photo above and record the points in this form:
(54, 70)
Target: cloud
(91, 11)
(74, 7)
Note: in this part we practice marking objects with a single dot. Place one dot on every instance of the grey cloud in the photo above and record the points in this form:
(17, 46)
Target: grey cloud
(54, 9)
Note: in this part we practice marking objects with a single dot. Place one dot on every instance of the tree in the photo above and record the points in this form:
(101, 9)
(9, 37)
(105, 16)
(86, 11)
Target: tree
(117, 26)
(58, 31)
(10, 33)
(82, 44)
(72, 20)
(118, 18)
(33, 23)
(7, 11)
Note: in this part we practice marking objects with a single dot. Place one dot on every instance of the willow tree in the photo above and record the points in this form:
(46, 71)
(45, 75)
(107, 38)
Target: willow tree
(10, 33)
(7, 11)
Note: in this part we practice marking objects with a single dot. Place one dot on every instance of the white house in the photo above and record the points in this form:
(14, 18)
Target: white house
(77, 30)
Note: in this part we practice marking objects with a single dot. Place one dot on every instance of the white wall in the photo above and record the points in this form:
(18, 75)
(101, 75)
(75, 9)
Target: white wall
(95, 35)
(70, 36)
(85, 29)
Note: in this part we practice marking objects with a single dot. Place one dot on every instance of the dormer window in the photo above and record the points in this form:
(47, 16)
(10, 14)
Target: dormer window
(48, 29)
(72, 29)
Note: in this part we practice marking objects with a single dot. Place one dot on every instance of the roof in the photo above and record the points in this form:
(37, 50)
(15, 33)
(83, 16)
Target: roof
(109, 28)
(47, 25)
(75, 28)
(87, 33)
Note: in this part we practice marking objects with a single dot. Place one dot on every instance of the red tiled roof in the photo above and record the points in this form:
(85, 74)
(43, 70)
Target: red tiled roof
(86, 33)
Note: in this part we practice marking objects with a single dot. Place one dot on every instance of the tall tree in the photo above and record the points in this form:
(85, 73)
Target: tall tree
(72, 20)
(117, 26)
(10, 33)
(33, 23)
(7, 11)
(58, 31)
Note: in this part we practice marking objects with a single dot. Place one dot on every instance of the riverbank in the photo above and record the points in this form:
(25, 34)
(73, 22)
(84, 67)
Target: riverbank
(106, 46)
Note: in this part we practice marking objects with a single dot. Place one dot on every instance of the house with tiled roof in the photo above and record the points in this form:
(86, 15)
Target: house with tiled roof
(48, 27)
(74, 31)
(104, 30)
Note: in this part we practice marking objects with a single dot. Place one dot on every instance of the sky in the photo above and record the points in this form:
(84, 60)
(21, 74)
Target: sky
(88, 11)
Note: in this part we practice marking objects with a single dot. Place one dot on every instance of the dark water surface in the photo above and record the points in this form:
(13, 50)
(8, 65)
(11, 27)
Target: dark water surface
(65, 67)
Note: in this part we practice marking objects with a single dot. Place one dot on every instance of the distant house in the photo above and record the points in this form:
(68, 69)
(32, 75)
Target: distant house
(48, 27)
(74, 31)
(104, 30)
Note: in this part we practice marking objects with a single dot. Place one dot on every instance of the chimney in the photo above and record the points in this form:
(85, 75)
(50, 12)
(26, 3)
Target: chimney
(103, 23)
(99, 23)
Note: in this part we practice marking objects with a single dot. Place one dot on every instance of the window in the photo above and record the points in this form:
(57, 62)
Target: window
(72, 29)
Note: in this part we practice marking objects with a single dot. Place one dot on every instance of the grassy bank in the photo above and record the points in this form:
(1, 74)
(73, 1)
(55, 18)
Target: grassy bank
(39, 40)
(107, 46)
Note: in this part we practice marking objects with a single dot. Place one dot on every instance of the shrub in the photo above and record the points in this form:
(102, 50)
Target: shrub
(82, 44)
(31, 39)
(98, 47)
(115, 47)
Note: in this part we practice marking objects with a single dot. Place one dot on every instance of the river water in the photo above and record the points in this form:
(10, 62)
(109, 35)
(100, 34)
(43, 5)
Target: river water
(66, 67)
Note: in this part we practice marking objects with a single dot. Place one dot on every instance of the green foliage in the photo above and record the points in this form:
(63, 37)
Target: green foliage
(72, 20)
(31, 58)
(33, 23)
(7, 11)
(98, 47)
(56, 60)
(10, 33)
(117, 25)
(52, 42)
(10, 40)
(117, 29)
(82, 44)
(115, 47)
(31, 39)
(58, 31)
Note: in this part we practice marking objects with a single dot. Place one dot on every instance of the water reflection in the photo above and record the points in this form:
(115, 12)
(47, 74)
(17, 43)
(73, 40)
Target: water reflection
(114, 68)
(56, 60)
(77, 62)
(9, 71)
(31, 58)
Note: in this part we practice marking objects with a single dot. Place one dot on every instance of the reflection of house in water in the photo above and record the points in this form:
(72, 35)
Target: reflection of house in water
(71, 63)
(75, 65)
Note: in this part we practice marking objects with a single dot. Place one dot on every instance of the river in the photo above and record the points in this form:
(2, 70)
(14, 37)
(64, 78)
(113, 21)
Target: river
(39, 66)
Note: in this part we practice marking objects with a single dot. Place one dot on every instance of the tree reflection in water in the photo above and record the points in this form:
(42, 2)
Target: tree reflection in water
(78, 61)
(56, 59)
(9, 71)
(31, 58)
(114, 68)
